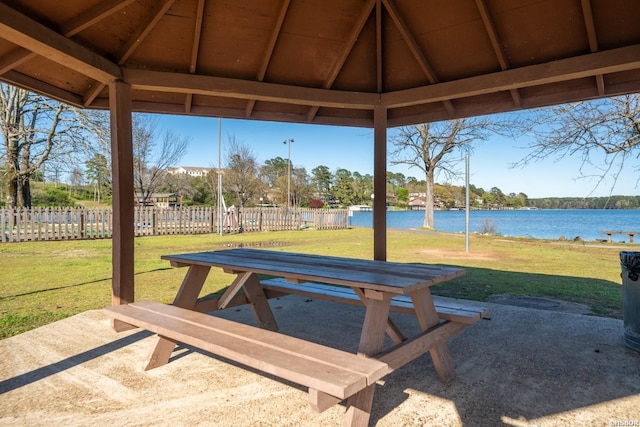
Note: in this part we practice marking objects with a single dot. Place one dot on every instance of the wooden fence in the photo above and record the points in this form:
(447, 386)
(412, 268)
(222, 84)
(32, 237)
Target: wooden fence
(22, 225)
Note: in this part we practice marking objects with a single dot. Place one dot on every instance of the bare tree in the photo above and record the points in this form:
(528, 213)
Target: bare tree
(589, 129)
(153, 154)
(241, 175)
(437, 149)
(36, 130)
(76, 180)
(99, 175)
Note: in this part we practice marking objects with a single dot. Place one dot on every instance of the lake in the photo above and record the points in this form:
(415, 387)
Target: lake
(538, 224)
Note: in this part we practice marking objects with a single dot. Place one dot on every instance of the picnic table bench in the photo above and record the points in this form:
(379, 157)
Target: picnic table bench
(330, 374)
(609, 233)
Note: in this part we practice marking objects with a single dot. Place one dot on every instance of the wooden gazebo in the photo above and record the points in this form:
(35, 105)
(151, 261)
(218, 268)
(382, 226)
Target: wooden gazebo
(367, 63)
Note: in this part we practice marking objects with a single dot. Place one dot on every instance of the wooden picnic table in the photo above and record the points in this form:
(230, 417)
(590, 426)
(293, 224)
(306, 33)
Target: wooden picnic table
(331, 375)
(609, 233)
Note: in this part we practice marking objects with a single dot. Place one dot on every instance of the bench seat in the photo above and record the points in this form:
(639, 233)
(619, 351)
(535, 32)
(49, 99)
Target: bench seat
(325, 370)
(452, 311)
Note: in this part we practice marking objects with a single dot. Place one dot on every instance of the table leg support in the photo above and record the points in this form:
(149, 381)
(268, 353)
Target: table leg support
(186, 298)
(359, 408)
(259, 304)
(428, 317)
(371, 343)
(161, 353)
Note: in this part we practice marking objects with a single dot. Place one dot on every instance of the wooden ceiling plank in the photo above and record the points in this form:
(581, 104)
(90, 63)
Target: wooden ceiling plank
(268, 53)
(496, 43)
(415, 49)
(15, 58)
(245, 89)
(92, 16)
(344, 53)
(35, 37)
(144, 30)
(593, 38)
(609, 61)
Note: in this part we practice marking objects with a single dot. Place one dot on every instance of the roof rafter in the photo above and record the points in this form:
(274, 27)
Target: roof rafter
(268, 53)
(92, 16)
(37, 38)
(496, 43)
(344, 53)
(412, 43)
(134, 41)
(14, 58)
(593, 39)
(68, 29)
(143, 31)
(21, 80)
(195, 48)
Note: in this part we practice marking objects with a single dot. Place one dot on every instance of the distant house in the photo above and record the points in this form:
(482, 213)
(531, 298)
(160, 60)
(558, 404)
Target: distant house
(418, 203)
(160, 200)
(190, 171)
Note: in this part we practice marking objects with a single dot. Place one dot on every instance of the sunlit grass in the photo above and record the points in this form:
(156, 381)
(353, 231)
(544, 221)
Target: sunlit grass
(41, 282)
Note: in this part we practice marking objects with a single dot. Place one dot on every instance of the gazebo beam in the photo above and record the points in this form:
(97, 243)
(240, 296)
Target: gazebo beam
(245, 89)
(609, 61)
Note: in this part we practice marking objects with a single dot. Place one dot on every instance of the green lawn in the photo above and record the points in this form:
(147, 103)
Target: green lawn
(45, 281)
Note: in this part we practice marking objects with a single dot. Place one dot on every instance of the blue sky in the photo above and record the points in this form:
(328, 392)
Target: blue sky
(352, 149)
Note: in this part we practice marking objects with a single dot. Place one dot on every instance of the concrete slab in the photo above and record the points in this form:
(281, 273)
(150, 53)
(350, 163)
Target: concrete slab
(523, 367)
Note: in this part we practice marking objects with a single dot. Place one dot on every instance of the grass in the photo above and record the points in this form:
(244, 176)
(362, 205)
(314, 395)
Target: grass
(46, 281)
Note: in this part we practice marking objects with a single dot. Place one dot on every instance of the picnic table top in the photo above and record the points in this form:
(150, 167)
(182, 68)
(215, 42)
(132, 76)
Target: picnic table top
(393, 277)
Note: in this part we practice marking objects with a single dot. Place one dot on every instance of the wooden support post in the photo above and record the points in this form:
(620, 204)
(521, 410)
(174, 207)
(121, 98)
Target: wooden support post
(380, 183)
(122, 178)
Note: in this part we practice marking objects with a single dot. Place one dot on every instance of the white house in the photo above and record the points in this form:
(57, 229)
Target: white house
(190, 170)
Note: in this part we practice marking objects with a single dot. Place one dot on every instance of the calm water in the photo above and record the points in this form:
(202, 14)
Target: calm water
(540, 224)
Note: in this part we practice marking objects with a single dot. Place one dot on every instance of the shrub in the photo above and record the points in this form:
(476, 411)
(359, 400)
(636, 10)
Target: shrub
(488, 227)
(316, 204)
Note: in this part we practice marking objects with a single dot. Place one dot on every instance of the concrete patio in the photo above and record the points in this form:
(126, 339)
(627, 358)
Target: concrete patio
(522, 367)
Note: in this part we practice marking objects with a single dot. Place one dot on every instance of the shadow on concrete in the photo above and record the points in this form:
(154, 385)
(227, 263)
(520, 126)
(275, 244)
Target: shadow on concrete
(69, 362)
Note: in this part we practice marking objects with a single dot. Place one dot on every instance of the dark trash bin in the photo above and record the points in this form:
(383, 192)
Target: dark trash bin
(630, 265)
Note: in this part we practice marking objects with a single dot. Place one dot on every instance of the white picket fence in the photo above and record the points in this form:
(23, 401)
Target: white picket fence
(38, 224)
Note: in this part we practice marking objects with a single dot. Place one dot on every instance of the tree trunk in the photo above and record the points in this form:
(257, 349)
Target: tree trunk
(12, 182)
(25, 192)
(12, 191)
(428, 208)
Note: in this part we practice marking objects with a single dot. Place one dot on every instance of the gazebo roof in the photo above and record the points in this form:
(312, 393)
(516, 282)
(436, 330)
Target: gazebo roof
(327, 62)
